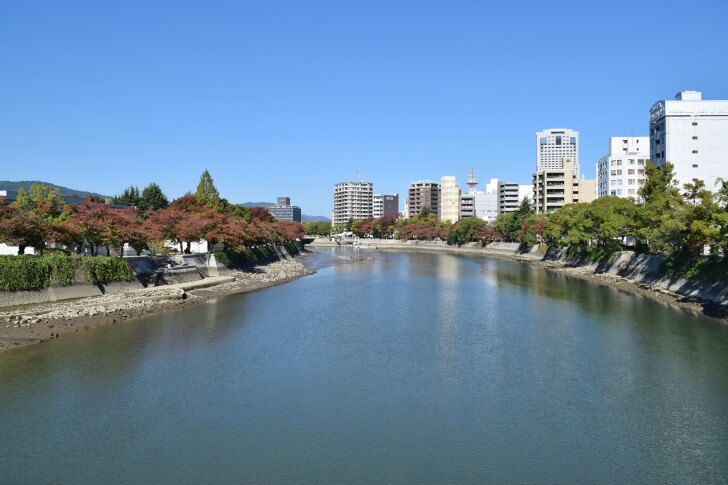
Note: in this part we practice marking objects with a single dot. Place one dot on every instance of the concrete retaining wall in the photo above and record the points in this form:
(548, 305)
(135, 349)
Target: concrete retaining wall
(646, 269)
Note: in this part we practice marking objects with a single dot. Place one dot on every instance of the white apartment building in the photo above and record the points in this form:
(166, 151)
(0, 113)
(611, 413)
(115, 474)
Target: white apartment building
(622, 172)
(482, 204)
(510, 196)
(692, 134)
(449, 200)
(377, 205)
(555, 145)
(352, 200)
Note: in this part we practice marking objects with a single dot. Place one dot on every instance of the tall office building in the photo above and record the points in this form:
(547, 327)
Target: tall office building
(284, 211)
(423, 193)
(692, 134)
(511, 195)
(385, 205)
(352, 200)
(622, 172)
(553, 189)
(449, 200)
(555, 145)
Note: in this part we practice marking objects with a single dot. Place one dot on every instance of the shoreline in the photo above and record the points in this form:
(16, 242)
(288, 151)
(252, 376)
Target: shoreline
(585, 273)
(37, 323)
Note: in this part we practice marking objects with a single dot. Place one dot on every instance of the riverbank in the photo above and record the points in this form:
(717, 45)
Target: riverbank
(31, 324)
(625, 272)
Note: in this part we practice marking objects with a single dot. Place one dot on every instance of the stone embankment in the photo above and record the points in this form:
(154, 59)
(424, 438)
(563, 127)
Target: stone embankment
(637, 273)
(30, 324)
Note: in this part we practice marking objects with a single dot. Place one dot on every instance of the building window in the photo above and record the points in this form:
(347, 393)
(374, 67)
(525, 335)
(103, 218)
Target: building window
(695, 138)
(695, 123)
(695, 165)
(695, 151)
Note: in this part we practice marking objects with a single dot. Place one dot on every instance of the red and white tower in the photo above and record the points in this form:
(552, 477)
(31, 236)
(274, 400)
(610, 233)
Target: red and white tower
(472, 181)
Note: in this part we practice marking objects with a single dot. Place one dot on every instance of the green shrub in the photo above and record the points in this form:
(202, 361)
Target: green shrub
(23, 272)
(30, 272)
(246, 256)
(104, 269)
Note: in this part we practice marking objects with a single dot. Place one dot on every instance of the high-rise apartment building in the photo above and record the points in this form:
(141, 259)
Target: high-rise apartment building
(692, 134)
(449, 200)
(511, 195)
(385, 205)
(554, 189)
(622, 172)
(555, 145)
(423, 193)
(352, 200)
(284, 211)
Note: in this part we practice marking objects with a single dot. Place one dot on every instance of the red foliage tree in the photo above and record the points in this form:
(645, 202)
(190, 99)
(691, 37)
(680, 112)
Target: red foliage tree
(88, 222)
(261, 214)
(24, 228)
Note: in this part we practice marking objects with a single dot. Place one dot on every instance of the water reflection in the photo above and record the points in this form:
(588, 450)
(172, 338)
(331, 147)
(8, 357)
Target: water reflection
(412, 367)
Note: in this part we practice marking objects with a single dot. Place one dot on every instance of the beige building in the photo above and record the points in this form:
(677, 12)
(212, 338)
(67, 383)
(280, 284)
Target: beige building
(553, 189)
(449, 200)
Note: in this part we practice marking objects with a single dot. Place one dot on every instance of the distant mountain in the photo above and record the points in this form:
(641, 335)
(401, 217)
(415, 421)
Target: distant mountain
(304, 217)
(65, 191)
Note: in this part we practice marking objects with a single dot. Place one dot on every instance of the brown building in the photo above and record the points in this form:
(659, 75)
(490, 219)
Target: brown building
(385, 205)
(423, 194)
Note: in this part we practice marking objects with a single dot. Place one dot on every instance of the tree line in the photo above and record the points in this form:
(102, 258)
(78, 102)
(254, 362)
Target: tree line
(143, 220)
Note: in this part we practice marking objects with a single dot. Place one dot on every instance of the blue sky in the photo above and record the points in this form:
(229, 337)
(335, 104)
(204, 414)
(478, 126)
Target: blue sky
(288, 98)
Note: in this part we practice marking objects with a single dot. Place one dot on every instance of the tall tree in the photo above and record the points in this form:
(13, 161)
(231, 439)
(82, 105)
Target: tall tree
(658, 181)
(206, 193)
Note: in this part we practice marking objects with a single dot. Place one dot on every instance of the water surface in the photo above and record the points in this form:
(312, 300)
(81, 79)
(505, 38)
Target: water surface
(407, 367)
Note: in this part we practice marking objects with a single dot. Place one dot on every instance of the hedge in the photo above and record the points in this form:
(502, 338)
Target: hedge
(29, 272)
(248, 256)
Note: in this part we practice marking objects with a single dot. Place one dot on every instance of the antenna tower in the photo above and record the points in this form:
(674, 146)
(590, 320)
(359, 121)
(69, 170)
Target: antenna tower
(472, 180)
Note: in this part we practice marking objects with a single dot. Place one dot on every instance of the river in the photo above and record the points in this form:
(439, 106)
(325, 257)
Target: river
(400, 367)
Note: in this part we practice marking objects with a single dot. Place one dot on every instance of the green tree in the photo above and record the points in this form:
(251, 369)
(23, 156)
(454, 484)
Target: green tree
(658, 181)
(130, 197)
(658, 226)
(466, 230)
(39, 214)
(318, 228)
(207, 194)
(152, 198)
(42, 200)
(424, 212)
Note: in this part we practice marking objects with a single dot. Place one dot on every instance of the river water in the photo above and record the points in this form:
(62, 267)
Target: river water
(401, 367)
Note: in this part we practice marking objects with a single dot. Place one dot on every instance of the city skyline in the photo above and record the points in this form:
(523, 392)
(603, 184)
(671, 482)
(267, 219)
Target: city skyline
(285, 101)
